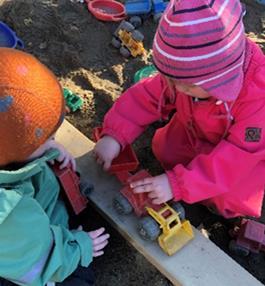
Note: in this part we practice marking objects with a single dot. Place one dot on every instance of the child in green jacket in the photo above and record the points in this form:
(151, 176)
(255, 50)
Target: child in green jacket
(36, 244)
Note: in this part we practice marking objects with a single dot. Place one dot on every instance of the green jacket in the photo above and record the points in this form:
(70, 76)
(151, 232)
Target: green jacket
(36, 245)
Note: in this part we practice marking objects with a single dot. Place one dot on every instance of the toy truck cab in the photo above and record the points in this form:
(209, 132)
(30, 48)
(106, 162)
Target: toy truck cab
(75, 190)
(128, 40)
(249, 236)
(126, 201)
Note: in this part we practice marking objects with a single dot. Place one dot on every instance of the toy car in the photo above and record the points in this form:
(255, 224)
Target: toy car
(128, 40)
(249, 236)
(138, 10)
(169, 225)
(75, 190)
(73, 101)
(163, 222)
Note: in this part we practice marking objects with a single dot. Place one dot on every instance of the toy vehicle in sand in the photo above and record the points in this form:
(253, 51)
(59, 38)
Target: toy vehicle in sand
(165, 222)
(139, 10)
(128, 40)
(76, 191)
(249, 237)
(73, 101)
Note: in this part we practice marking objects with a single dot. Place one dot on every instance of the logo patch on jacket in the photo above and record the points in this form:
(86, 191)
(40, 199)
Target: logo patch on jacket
(252, 134)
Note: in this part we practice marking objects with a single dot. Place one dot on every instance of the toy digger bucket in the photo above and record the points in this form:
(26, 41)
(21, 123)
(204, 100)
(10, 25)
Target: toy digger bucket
(172, 242)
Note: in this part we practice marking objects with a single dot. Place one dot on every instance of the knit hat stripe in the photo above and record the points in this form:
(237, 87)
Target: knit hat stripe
(222, 83)
(196, 9)
(196, 21)
(209, 72)
(203, 45)
(203, 66)
(198, 57)
(227, 22)
(220, 75)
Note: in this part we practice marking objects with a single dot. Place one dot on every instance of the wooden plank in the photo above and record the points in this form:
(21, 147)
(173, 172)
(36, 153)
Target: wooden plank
(200, 263)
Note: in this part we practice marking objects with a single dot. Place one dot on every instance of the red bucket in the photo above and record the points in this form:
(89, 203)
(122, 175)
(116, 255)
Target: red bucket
(107, 10)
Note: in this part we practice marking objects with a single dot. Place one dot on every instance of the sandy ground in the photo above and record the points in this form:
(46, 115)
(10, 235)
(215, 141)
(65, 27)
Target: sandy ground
(76, 46)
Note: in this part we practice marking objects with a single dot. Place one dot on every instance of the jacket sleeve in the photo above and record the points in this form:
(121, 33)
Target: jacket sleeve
(32, 252)
(141, 105)
(227, 164)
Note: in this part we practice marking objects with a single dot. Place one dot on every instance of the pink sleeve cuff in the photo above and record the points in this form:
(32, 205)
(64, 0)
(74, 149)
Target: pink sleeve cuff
(175, 183)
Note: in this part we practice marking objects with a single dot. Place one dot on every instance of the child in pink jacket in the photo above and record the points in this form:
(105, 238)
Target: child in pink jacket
(213, 77)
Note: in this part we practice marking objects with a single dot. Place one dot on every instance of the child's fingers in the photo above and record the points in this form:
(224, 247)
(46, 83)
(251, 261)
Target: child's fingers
(143, 189)
(145, 181)
(100, 246)
(98, 253)
(152, 195)
(51, 162)
(95, 233)
(73, 163)
(65, 162)
(106, 165)
(158, 201)
(100, 239)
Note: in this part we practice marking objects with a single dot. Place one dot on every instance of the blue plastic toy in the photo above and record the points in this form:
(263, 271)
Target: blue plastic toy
(261, 2)
(8, 37)
(138, 10)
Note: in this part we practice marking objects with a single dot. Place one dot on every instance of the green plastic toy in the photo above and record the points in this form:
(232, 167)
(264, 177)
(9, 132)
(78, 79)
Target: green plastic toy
(73, 101)
(144, 72)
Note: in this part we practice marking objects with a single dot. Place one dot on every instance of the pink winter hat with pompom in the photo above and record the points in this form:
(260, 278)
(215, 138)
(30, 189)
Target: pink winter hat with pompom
(203, 43)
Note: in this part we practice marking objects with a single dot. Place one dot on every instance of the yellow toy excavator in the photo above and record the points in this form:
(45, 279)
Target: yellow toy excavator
(170, 219)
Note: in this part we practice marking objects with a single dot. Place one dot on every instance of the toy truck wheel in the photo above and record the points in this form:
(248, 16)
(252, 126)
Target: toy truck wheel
(125, 52)
(137, 36)
(127, 26)
(86, 188)
(148, 228)
(238, 249)
(136, 21)
(122, 205)
(116, 43)
(157, 17)
(179, 209)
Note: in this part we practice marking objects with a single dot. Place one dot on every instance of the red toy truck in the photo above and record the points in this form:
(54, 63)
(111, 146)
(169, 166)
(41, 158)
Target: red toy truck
(76, 191)
(249, 236)
(165, 222)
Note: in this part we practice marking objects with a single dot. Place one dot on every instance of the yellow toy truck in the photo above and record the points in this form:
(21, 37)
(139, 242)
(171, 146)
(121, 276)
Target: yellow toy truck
(128, 40)
(169, 225)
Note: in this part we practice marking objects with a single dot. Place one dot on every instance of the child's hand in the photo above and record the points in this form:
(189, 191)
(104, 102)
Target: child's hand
(99, 241)
(65, 157)
(158, 188)
(106, 149)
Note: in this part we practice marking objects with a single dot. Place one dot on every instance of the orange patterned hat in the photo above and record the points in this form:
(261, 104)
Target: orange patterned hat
(31, 105)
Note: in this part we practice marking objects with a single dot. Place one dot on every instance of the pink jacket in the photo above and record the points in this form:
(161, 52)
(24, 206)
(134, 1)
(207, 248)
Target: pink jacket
(213, 152)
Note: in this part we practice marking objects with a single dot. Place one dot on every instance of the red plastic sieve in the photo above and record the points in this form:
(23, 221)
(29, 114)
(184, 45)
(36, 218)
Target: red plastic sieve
(107, 10)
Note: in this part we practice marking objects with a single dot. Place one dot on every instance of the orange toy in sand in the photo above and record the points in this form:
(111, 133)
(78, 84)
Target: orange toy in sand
(31, 105)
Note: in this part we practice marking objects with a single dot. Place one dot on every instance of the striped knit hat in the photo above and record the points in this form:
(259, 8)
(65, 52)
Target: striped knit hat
(203, 42)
